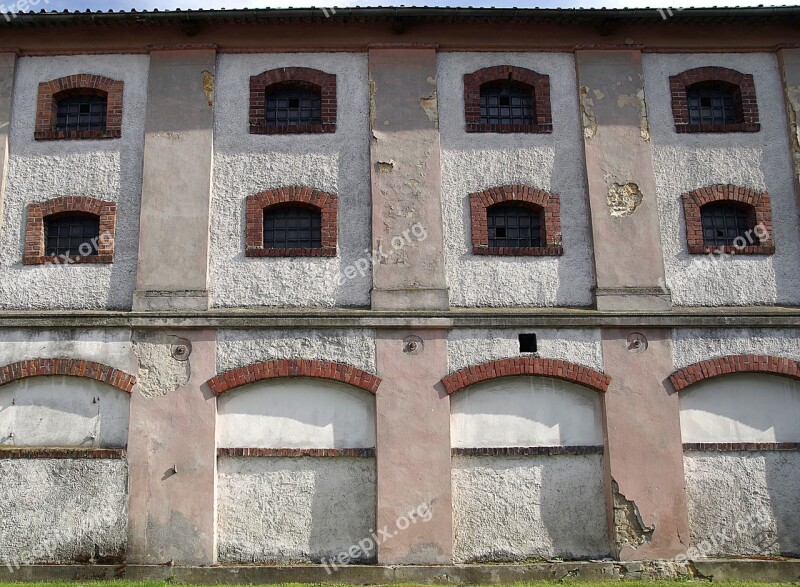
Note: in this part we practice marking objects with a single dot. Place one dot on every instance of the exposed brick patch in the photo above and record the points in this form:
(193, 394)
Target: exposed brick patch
(296, 452)
(549, 205)
(315, 79)
(759, 211)
(34, 253)
(61, 453)
(537, 82)
(718, 366)
(72, 85)
(555, 368)
(70, 367)
(740, 84)
(294, 368)
(326, 203)
(526, 451)
(740, 446)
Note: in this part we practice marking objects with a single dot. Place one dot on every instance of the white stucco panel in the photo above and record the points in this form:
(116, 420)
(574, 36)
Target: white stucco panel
(692, 345)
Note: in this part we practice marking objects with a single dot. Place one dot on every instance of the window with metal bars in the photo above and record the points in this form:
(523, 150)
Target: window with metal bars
(513, 225)
(711, 104)
(507, 103)
(81, 112)
(291, 105)
(723, 222)
(292, 227)
(71, 235)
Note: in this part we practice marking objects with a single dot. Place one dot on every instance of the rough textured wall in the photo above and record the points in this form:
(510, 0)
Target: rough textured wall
(246, 164)
(237, 348)
(744, 503)
(293, 510)
(296, 413)
(468, 346)
(515, 508)
(553, 162)
(525, 411)
(760, 161)
(63, 510)
(104, 169)
(111, 346)
(692, 345)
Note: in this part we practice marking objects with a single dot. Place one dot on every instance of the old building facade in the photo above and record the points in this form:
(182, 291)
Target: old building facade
(405, 286)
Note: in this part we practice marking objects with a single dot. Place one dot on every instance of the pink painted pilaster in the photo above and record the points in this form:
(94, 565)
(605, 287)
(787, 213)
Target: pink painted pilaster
(790, 74)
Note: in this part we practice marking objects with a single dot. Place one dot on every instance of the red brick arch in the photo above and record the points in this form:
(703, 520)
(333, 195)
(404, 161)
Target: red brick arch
(279, 368)
(85, 83)
(719, 366)
(555, 368)
(303, 76)
(70, 367)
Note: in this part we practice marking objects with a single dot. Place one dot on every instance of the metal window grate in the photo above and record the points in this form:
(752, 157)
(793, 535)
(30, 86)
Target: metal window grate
(83, 112)
(73, 235)
(711, 105)
(506, 103)
(293, 106)
(723, 223)
(514, 226)
(292, 227)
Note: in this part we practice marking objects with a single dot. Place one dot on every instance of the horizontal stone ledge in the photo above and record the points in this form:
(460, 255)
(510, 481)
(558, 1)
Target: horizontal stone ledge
(39, 452)
(296, 452)
(739, 446)
(526, 451)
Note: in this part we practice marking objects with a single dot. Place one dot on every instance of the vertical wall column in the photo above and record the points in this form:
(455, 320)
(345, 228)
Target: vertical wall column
(644, 454)
(172, 450)
(413, 411)
(176, 186)
(8, 64)
(628, 260)
(790, 73)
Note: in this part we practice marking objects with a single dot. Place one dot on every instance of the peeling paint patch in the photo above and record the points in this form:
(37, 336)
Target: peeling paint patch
(629, 528)
(792, 108)
(637, 101)
(588, 119)
(208, 86)
(623, 199)
(385, 166)
(431, 107)
(159, 373)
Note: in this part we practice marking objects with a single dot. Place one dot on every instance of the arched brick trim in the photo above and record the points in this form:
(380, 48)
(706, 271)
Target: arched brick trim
(683, 378)
(539, 83)
(759, 214)
(279, 368)
(555, 368)
(549, 205)
(34, 253)
(85, 83)
(302, 76)
(255, 205)
(744, 92)
(71, 367)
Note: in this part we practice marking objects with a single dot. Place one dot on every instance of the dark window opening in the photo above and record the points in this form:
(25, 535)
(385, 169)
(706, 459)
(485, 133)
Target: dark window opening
(293, 105)
(292, 227)
(72, 235)
(506, 103)
(711, 104)
(724, 222)
(80, 113)
(512, 225)
(527, 343)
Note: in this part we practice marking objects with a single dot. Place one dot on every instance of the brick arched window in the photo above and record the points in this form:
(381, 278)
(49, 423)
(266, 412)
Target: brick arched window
(507, 99)
(70, 230)
(295, 221)
(515, 220)
(293, 100)
(730, 219)
(714, 99)
(83, 106)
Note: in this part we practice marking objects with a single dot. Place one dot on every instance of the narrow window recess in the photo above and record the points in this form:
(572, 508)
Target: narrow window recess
(527, 343)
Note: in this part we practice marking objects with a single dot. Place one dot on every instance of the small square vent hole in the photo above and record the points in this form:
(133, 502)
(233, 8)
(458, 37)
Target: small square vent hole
(527, 343)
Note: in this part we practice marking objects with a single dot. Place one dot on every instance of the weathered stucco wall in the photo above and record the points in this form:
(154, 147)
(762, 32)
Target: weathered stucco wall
(760, 161)
(103, 169)
(744, 502)
(525, 411)
(515, 508)
(293, 510)
(63, 510)
(468, 346)
(692, 345)
(553, 162)
(296, 413)
(246, 164)
(110, 346)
